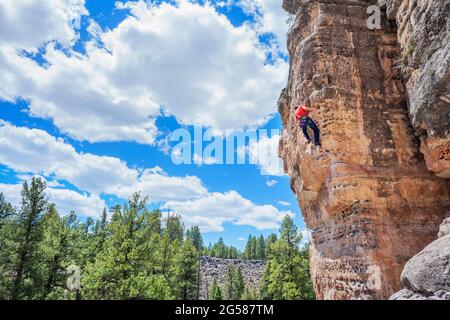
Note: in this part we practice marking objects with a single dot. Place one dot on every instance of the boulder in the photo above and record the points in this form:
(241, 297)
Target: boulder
(426, 276)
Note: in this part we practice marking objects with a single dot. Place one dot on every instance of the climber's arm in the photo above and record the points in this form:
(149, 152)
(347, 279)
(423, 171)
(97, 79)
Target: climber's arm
(310, 108)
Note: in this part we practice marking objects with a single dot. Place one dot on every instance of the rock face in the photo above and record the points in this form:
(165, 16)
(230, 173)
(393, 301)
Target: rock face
(444, 229)
(424, 37)
(427, 275)
(210, 268)
(366, 195)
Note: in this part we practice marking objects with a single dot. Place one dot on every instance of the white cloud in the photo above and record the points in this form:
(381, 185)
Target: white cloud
(159, 186)
(35, 151)
(271, 18)
(50, 182)
(68, 200)
(271, 183)
(187, 58)
(241, 239)
(28, 24)
(213, 210)
(200, 160)
(264, 153)
(284, 203)
(65, 200)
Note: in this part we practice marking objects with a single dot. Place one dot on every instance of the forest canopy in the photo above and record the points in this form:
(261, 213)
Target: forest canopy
(132, 253)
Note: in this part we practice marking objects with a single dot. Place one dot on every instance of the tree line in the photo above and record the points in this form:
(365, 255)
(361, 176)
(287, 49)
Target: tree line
(286, 275)
(255, 248)
(137, 253)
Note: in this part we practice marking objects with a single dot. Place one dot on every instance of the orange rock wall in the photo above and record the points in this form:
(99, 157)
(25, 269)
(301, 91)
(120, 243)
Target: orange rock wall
(366, 195)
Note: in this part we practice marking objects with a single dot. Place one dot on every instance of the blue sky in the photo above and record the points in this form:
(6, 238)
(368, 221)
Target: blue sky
(91, 94)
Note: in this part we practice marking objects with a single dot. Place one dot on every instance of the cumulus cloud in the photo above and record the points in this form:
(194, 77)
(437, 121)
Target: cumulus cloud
(185, 58)
(271, 183)
(270, 18)
(264, 153)
(65, 200)
(36, 151)
(33, 150)
(30, 24)
(213, 210)
(284, 203)
(159, 186)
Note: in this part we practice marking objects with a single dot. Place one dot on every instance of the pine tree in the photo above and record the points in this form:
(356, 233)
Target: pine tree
(6, 245)
(53, 238)
(215, 293)
(233, 253)
(249, 294)
(238, 284)
(62, 245)
(271, 239)
(261, 248)
(100, 232)
(196, 238)
(27, 257)
(116, 267)
(253, 246)
(286, 275)
(229, 283)
(248, 248)
(185, 271)
(6, 211)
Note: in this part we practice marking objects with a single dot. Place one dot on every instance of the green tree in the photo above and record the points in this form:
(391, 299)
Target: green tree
(287, 276)
(185, 271)
(248, 248)
(61, 247)
(261, 248)
(234, 283)
(271, 239)
(215, 293)
(233, 253)
(253, 246)
(6, 244)
(171, 239)
(27, 258)
(194, 235)
(6, 211)
(238, 284)
(249, 294)
(51, 245)
(116, 267)
(100, 232)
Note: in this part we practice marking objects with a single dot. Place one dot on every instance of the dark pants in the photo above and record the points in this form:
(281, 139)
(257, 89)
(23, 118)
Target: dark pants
(304, 123)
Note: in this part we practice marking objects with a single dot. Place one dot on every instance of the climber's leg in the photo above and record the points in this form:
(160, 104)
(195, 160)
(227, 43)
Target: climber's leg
(316, 131)
(304, 127)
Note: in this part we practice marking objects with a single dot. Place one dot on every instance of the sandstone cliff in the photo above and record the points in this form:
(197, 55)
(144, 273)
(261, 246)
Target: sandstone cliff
(367, 195)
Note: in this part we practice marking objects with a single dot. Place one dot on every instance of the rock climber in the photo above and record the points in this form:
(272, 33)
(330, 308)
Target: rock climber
(302, 115)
